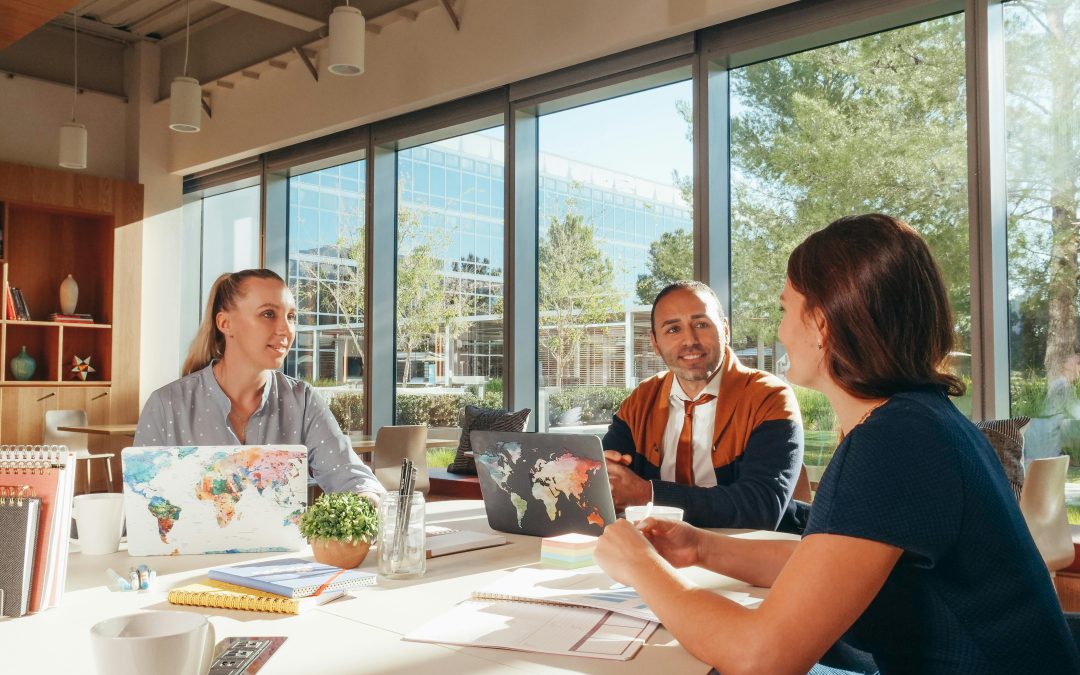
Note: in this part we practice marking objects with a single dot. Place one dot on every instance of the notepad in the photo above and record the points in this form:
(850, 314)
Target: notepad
(547, 629)
(292, 577)
(444, 541)
(221, 595)
(19, 518)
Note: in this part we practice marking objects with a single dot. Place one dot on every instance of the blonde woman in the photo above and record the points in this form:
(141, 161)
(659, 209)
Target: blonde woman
(232, 392)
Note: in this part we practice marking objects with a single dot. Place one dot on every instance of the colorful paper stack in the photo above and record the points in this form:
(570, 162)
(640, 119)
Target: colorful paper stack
(568, 551)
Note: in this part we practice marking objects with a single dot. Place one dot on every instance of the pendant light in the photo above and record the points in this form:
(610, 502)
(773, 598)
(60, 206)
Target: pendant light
(346, 52)
(73, 134)
(185, 94)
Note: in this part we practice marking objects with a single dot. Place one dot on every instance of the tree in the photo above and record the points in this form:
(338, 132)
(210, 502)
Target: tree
(671, 258)
(577, 287)
(425, 303)
(872, 124)
(1043, 95)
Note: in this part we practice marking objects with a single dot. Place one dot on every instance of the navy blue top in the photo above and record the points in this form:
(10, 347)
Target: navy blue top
(970, 593)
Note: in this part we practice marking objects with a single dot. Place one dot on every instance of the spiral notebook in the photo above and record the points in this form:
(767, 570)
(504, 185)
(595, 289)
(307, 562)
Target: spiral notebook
(48, 470)
(19, 515)
(221, 595)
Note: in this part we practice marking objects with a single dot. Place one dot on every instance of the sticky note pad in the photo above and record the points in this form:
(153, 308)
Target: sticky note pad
(568, 551)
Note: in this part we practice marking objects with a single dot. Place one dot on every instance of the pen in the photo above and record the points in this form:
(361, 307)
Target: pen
(120, 581)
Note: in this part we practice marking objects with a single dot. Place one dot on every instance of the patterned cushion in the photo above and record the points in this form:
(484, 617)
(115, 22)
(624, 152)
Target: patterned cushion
(484, 419)
(1007, 439)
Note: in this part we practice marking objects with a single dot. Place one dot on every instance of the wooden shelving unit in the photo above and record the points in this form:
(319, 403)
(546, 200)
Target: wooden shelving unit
(52, 224)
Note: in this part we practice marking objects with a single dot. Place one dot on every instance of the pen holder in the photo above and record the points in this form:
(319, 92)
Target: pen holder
(401, 536)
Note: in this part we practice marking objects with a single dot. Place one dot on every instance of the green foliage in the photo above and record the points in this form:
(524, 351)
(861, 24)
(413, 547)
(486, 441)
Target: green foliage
(1028, 394)
(434, 410)
(348, 409)
(597, 404)
(671, 258)
(817, 413)
(440, 458)
(324, 382)
(341, 516)
(577, 287)
(873, 124)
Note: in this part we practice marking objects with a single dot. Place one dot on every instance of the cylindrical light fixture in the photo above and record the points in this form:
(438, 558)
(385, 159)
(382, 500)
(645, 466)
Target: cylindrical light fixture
(73, 145)
(345, 55)
(185, 105)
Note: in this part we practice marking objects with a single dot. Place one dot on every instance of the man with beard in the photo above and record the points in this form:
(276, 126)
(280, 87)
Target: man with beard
(719, 440)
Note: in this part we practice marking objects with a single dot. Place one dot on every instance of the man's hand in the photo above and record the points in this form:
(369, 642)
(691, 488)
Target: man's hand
(675, 540)
(627, 488)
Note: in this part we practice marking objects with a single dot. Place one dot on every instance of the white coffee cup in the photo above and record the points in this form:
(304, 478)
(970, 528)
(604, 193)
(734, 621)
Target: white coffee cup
(636, 513)
(99, 519)
(162, 643)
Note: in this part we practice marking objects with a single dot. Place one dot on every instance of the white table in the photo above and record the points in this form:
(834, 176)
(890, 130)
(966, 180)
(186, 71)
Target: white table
(359, 633)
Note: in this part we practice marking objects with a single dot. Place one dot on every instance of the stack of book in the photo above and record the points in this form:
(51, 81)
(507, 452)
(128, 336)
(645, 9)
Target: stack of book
(16, 305)
(72, 318)
(286, 586)
(37, 485)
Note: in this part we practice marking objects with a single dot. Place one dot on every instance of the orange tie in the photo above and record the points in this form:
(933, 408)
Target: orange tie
(684, 452)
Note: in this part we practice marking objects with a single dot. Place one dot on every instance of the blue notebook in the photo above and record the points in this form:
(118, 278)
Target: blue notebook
(291, 577)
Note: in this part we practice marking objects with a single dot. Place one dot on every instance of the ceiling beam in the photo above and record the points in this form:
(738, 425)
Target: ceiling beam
(21, 17)
(274, 13)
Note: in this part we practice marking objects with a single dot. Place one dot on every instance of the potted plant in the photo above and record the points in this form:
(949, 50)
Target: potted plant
(340, 528)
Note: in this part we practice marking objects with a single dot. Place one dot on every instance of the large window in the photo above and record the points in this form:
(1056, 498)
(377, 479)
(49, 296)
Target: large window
(615, 226)
(450, 277)
(1042, 69)
(872, 124)
(326, 272)
(230, 235)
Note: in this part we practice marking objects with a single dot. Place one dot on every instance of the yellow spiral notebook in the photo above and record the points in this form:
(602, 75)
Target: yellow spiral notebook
(221, 595)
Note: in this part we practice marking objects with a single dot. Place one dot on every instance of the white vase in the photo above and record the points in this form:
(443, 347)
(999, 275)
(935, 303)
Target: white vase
(69, 295)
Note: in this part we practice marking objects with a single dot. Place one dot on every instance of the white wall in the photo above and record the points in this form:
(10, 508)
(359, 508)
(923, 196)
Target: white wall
(31, 112)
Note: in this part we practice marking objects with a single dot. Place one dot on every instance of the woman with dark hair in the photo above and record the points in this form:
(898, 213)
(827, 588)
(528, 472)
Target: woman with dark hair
(232, 392)
(915, 550)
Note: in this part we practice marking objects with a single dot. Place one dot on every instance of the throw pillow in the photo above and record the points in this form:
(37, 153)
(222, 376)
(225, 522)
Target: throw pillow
(484, 419)
(1007, 439)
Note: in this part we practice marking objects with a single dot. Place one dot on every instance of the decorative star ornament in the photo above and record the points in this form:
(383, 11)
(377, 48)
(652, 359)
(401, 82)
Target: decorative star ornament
(81, 368)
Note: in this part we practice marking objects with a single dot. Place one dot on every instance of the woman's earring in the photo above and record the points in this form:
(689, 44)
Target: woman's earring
(819, 345)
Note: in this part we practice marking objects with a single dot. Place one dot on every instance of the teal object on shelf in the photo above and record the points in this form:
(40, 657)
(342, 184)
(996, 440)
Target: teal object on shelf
(23, 365)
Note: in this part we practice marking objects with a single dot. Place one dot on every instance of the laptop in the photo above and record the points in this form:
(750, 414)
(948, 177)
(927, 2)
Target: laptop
(214, 499)
(543, 484)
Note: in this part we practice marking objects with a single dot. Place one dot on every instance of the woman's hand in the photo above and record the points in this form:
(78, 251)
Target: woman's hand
(675, 540)
(623, 552)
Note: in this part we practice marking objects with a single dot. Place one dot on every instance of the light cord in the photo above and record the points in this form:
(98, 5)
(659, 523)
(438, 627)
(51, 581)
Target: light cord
(75, 92)
(187, 35)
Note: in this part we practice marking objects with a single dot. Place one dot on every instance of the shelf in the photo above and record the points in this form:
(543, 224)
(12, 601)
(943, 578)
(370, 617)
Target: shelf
(54, 383)
(64, 324)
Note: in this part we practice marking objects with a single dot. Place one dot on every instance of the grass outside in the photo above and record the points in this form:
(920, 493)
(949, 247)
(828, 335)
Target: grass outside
(440, 458)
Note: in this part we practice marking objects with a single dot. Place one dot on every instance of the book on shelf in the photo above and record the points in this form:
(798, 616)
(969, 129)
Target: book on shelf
(9, 306)
(444, 540)
(292, 577)
(22, 311)
(71, 318)
(220, 595)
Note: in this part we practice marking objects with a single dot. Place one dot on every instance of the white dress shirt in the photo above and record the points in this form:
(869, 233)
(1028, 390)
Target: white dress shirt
(701, 440)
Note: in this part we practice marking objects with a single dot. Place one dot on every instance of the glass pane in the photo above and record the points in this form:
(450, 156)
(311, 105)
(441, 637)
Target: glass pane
(449, 282)
(230, 235)
(875, 124)
(326, 263)
(599, 268)
(1042, 40)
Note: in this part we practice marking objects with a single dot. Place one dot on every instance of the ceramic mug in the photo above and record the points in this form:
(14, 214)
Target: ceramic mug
(162, 643)
(99, 519)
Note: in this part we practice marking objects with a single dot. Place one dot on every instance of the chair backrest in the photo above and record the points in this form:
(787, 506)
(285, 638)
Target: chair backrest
(802, 487)
(394, 443)
(1042, 501)
(75, 442)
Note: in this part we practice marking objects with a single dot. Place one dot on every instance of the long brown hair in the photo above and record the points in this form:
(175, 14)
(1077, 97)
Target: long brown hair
(890, 326)
(209, 342)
